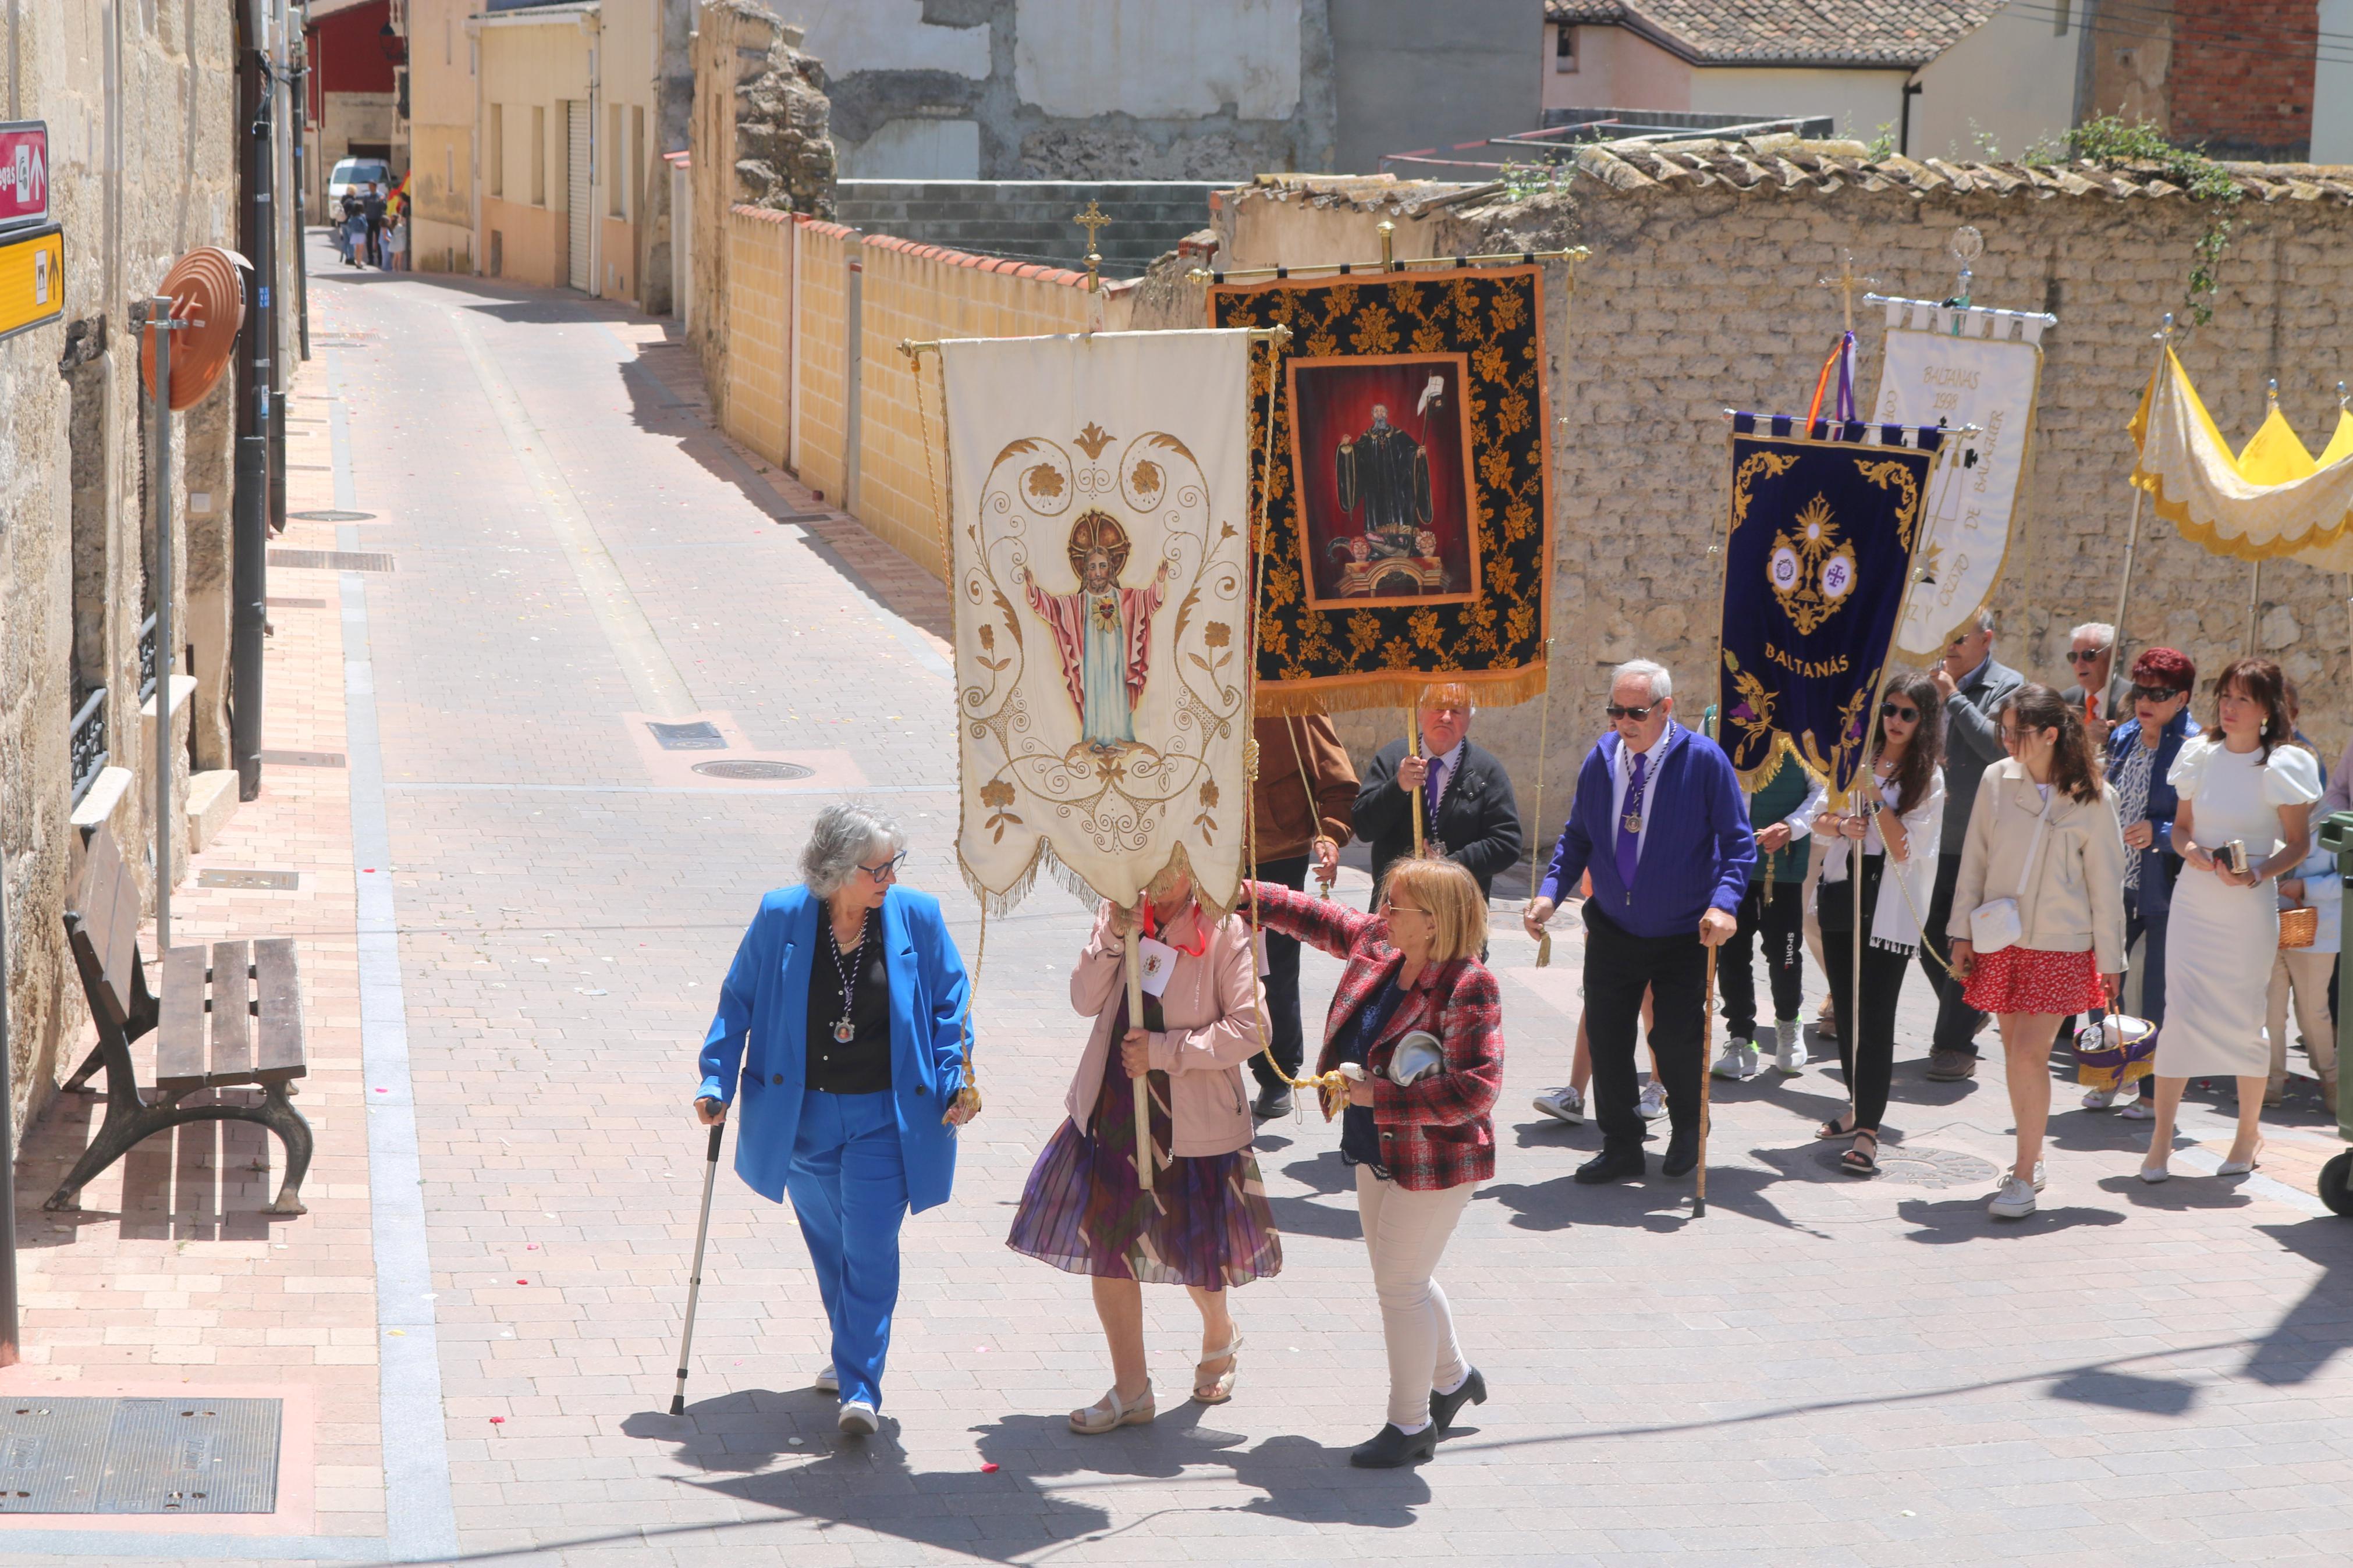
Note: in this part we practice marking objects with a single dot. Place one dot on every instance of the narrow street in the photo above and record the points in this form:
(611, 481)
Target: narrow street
(1818, 1371)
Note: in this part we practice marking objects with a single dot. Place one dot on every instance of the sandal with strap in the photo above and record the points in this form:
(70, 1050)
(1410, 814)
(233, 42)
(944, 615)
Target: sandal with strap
(1110, 1411)
(1220, 1388)
(1861, 1161)
(1832, 1129)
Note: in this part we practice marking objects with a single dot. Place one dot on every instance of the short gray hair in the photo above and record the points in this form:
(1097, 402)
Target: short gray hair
(1985, 619)
(2104, 632)
(844, 834)
(1654, 676)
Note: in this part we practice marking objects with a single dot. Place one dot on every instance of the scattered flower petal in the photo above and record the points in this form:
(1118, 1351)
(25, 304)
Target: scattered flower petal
(988, 1468)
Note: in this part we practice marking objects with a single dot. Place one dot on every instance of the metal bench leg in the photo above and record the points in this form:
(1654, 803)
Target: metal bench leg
(118, 1134)
(89, 1065)
(127, 1124)
(278, 1113)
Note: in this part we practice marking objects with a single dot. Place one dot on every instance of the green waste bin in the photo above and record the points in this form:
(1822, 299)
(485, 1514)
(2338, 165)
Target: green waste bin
(2337, 1176)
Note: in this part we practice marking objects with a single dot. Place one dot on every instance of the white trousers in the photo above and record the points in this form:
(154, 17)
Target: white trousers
(1407, 1233)
(2305, 973)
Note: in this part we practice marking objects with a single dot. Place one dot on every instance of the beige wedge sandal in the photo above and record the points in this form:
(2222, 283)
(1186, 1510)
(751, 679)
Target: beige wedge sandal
(1220, 1387)
(1110, 1411)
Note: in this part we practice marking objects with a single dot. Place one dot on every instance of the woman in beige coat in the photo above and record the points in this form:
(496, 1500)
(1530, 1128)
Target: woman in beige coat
(2042, 839)
(1204, 1224)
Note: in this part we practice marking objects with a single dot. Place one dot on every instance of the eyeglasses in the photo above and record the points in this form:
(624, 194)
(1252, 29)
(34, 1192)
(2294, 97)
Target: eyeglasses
(1390, 907)
(2155, 693)
(1891, 709)
(1615, 712)
(888, 869)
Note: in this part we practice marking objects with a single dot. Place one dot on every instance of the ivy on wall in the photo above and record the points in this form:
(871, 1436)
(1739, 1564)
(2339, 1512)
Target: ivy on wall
(2109, 139)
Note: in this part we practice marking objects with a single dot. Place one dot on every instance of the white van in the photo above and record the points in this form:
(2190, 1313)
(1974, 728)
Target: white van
(351, 174)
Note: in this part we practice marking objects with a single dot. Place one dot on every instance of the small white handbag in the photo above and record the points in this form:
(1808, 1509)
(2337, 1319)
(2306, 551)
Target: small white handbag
(1996, 924)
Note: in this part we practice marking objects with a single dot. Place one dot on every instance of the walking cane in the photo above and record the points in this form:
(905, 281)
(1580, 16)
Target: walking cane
(1706, 1049)
(695, 1280)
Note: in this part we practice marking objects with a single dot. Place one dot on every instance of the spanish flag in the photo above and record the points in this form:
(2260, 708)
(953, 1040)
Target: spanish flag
(397, 202)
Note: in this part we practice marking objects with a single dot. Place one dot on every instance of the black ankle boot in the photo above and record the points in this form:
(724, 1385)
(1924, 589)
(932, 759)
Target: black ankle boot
(1392, 1449)
(1443, 1407)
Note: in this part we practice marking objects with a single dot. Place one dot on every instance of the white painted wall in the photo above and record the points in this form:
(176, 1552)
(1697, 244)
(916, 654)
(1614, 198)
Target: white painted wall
(2332, 88)
(2012, 80)
(1158, 59)
(916, 149)
(1858, 102)
(887, 35)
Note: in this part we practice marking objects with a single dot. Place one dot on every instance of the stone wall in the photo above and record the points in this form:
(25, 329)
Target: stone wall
(1702, 293)
(1030, 220)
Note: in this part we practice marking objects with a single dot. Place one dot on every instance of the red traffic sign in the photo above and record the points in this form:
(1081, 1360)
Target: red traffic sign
(24, 173)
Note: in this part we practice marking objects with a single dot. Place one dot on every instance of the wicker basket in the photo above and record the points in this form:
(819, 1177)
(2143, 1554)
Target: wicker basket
(2299, 927)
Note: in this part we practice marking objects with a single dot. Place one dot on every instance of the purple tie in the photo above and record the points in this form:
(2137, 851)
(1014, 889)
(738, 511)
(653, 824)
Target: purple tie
(1629, 821)
(1436, 783)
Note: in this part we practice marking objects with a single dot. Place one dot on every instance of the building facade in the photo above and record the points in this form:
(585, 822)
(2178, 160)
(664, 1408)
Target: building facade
(350, 92)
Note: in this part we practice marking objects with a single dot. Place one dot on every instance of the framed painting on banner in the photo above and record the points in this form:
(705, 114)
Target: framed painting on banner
(1380, 457)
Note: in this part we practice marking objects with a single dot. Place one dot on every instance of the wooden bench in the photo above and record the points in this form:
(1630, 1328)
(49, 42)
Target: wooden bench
(228, 1015)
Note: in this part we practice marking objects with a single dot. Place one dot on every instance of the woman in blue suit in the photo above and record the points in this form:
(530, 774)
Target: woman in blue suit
(845, 1010)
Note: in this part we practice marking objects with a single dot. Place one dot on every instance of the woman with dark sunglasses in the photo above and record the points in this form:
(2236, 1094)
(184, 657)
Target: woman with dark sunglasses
(1897, 830)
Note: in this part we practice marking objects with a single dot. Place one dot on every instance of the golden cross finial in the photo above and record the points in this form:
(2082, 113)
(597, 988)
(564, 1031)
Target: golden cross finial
(1846, 282)
(1092, 219)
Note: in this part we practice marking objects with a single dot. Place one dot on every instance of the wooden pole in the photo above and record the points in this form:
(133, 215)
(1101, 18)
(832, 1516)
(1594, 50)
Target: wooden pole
(2254, 603)
(1706, 1099)
(1135, 1020)
(2124, 587)
(1413, 749)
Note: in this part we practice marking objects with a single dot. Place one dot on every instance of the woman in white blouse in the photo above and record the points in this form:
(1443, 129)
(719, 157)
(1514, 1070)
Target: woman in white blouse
(2246, 793)
(1904, 816)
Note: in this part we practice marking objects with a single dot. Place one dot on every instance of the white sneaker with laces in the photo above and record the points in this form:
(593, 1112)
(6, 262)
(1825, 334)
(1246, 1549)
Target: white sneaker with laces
(858, 1418)
(2015, 1201)
(1790, 1049)
(825, 1382)
(1563, 1104)
(1654, 1101)
(1738, 1060)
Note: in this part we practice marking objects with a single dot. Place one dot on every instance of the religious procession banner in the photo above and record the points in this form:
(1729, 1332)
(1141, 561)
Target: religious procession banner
(2263, 511)
(1955, 367)
(1818, 544)
(1401, 474)
(1100, 575)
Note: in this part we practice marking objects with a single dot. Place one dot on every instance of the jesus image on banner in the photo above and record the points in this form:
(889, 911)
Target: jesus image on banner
(1103, 632)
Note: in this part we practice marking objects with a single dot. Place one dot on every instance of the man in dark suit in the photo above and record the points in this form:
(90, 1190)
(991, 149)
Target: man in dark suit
(1468, 814)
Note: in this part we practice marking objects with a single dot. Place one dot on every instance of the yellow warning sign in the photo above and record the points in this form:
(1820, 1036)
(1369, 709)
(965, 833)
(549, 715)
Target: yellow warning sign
(32, 279)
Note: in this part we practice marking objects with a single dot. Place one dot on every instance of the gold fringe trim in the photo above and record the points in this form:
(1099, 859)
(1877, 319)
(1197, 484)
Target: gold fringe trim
(1397, 688)
(1044, 863)
(2215, 542)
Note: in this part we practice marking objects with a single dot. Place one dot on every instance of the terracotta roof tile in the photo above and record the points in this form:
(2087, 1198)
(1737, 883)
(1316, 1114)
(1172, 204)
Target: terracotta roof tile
(1893, 33)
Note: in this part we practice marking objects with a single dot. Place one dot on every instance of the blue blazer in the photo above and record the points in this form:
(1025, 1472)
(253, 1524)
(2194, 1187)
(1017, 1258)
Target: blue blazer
(1697, 854)
(763, 1024)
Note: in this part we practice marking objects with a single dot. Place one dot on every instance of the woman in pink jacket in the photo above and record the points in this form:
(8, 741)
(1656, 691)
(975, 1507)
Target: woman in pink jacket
(1204, 1225)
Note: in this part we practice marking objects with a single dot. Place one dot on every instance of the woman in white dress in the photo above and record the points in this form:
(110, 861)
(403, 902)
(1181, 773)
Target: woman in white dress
(2245, 783)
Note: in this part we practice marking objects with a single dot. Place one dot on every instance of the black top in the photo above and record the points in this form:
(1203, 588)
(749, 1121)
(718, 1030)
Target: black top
(1477, 818)
(863, 1065)
(1360, 1136)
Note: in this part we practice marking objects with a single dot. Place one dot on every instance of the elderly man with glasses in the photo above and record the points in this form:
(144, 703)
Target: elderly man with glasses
(1660, 821)
(1975, 685)
(1469, 814)
(2102, 691)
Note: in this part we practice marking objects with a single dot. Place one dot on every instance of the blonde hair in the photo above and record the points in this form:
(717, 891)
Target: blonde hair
(1450, 896)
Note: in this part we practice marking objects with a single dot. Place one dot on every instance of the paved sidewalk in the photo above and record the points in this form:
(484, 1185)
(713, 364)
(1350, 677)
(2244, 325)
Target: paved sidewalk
(1820, 1371)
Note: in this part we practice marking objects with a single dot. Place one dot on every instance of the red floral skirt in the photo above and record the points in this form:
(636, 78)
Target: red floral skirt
(2029, 980)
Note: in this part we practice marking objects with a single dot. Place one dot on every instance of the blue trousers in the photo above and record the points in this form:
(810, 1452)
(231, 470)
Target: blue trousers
(848, 1187)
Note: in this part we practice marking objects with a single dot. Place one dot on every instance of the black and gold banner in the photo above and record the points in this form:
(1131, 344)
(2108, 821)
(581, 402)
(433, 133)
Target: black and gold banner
(1402, 485)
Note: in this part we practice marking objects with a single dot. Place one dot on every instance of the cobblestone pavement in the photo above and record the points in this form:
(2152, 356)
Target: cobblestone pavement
(1818, 1371)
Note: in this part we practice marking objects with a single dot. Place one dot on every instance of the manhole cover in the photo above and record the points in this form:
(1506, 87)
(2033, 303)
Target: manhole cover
(280, 881)
(747, 769)
(332, 516)
(332, 560)
(191, 1455)
(1909, 1165)
(701, 736)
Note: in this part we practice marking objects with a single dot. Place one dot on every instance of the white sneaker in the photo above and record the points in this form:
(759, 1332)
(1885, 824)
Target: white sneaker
(2038, 1175)
(1738, 1060)
(1653, 1103)
(858, 1420)
(1563, 1104)
(1789, 1053)
(2099, 1099)
(825, 1382)
(2136, 1111)
(2015, 1201)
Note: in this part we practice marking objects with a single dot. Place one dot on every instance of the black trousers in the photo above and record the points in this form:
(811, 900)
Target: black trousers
(1282, 1026)
(1779, 927)
(1956, 1020)
(1619, 967)
(1866, 1035)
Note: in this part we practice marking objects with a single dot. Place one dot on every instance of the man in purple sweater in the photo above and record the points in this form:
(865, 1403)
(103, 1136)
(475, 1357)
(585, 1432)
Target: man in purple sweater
(1660, 821)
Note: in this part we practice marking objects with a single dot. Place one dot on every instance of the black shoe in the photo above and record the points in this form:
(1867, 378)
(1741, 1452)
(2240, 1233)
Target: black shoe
(1392, 1449)
(1273, 1100)
(1444, 1406)
(1683, 1152)
(1611, 1166)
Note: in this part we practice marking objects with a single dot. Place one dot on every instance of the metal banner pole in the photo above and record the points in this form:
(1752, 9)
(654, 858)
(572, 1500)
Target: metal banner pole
(167, 663)
(8, 1335)
(1143, 1080)
(1413, 749)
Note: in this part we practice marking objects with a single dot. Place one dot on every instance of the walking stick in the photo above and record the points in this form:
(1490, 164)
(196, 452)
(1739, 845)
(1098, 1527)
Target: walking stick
(1706, 1049)
(1143, 1080)
(695, 1280)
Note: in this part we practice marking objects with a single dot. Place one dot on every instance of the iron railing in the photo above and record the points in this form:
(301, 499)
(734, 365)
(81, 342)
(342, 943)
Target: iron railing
(87, 742)
(146, 659)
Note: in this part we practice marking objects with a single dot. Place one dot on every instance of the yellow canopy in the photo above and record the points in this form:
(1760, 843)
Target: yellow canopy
(2271, 501)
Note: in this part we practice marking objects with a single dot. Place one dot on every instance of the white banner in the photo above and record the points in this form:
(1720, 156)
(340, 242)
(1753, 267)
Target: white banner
(1958, 367)
(1102, 593)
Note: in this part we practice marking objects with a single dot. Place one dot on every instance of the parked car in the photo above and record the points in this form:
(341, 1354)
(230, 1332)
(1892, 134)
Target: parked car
(353, 173)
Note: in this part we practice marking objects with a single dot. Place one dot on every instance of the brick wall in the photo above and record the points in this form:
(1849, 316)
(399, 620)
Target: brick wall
(759, 273)
(2243, 76)
(821, 361)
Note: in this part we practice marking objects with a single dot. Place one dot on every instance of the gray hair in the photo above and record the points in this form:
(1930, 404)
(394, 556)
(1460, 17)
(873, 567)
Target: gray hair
(2100, 631)
(1654, 676)
(844, 834)
(1985, 619)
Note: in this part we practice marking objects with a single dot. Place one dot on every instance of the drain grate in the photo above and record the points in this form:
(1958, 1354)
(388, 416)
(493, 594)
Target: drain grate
(332, 560)
(747, 769)
(278, 604)
(1907, 1165)
(302, 759)
(139, 1456)
(699, 736)
(279, 881)
(332, 516)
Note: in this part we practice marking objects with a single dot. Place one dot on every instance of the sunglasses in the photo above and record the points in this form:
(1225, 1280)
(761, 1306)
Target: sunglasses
(2155, 693)
(1893, 710)
(888, 869)
(1615, 712)
(2077, 656)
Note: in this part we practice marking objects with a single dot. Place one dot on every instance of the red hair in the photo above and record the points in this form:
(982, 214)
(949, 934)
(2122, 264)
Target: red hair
(2166, 667)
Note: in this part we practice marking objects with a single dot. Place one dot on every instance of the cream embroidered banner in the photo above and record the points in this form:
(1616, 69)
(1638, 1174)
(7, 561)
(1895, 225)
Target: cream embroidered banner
(1100, 561)
(1955, 368)
(2262, 505)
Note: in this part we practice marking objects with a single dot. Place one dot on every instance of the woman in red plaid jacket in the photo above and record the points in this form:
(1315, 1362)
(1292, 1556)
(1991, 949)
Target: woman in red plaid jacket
(1418, 1147)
